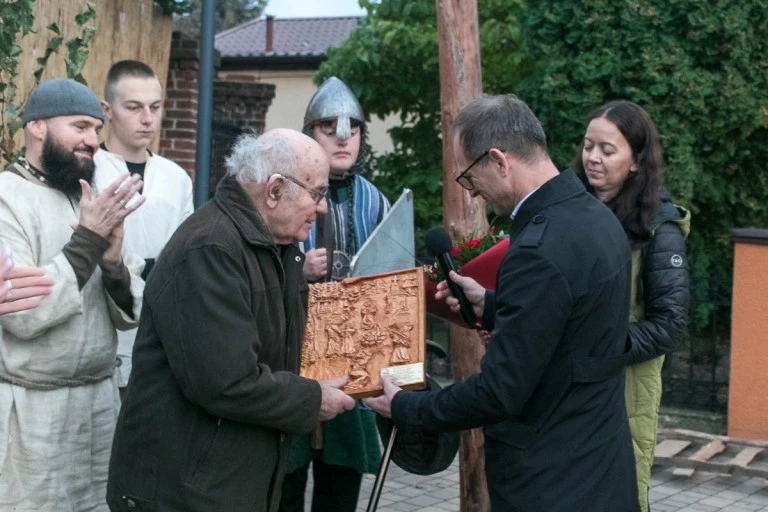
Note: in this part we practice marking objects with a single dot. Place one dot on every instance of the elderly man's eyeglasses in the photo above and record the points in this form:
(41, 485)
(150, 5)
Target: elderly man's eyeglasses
(317, 194)
(466, 181)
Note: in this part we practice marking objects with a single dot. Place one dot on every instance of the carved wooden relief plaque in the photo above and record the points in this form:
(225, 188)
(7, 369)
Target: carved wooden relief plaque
(363, 326)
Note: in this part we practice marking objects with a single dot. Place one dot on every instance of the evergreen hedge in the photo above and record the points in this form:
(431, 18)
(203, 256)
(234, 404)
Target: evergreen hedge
(700, 69)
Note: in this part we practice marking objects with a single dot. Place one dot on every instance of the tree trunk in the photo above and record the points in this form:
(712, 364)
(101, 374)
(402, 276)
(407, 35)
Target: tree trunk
(460, 83)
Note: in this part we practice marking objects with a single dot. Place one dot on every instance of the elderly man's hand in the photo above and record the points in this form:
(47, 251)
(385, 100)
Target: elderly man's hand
(333, 400)
(101, 214)
(20, 286)
(316, 264)
(383, 404)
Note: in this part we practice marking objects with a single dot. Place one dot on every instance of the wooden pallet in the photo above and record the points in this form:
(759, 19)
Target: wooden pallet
(688, 451)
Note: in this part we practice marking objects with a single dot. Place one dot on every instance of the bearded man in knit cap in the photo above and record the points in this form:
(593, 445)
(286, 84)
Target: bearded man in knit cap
(58, 388)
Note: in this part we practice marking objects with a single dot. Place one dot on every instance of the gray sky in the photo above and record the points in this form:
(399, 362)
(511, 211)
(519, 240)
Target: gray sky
(313, 8)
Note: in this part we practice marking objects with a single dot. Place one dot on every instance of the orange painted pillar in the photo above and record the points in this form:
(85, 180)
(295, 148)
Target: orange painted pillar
(748, 388)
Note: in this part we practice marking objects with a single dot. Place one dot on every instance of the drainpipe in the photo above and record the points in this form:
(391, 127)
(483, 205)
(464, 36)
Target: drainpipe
(204, 105)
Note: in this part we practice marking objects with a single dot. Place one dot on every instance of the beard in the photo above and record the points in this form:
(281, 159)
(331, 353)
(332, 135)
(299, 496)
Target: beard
(63, 169)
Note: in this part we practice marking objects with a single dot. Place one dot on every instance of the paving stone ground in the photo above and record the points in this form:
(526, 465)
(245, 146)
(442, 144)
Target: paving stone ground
(700, 492)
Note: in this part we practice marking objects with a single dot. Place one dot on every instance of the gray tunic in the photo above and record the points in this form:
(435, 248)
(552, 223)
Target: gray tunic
(55, 439)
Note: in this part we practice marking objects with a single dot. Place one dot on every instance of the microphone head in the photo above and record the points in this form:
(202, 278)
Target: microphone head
(437, 241)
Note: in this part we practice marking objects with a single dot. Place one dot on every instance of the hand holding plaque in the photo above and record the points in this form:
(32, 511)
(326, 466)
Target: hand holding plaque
(333, 401)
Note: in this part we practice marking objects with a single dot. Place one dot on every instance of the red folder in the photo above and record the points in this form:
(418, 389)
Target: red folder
(482, 268)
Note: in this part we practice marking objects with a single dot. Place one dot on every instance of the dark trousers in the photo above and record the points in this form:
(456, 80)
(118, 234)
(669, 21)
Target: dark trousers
(336, 488)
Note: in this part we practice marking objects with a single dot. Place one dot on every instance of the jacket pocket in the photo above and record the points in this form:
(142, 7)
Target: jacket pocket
(200, 470)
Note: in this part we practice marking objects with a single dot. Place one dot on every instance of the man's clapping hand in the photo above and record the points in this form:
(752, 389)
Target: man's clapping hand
(107, 210)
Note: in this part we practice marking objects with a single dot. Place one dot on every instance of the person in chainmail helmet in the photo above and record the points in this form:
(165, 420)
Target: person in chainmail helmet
(350, 446)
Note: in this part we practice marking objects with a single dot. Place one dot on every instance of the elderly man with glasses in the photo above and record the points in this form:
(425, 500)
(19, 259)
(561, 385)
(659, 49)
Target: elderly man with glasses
(214, 397)
(350, 443)
(550, 391)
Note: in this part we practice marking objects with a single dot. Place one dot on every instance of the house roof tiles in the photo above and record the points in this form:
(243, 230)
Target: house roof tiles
(292, 37)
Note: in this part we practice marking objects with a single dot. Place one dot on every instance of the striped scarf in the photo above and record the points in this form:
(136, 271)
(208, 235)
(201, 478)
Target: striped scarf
(369, 208)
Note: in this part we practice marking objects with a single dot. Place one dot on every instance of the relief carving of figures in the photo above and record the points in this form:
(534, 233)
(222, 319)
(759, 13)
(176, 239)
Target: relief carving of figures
(358, 375)
(360, 325)
(401, 340)
(396, 304)
(324, 308)
(372, 338)
(349, 340)
(335, 338)
(368, 312)
(410, 286)
(354, 293)
(309, 350)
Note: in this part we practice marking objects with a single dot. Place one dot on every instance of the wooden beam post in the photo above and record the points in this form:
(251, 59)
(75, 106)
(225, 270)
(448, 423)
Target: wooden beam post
(460, 83)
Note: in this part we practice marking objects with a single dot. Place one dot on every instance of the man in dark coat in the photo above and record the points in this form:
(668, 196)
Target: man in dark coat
(214, 396)
(550, 393)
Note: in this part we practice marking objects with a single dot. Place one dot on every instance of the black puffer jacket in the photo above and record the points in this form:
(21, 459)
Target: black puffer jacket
(663, 300)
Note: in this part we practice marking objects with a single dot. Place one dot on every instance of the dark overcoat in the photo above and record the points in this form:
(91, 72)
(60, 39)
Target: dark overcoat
(550, 393)
(214, 395)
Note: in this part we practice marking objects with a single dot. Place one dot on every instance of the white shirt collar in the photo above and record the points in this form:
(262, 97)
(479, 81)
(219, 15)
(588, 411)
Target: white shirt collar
(514, 212)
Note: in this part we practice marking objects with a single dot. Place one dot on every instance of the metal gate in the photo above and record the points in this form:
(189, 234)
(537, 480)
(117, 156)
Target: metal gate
(696, 375)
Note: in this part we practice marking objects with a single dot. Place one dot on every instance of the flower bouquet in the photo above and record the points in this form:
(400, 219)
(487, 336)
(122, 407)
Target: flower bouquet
(475, 257)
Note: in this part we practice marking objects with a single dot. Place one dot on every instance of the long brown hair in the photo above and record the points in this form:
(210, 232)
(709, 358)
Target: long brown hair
(640, 194)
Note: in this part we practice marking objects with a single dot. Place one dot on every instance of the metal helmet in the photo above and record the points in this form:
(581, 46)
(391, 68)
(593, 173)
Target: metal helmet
(334, 99)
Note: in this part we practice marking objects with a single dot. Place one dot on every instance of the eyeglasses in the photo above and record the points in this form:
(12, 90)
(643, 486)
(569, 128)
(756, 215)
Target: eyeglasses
(329, 127)
(317, 194)
(466, 181)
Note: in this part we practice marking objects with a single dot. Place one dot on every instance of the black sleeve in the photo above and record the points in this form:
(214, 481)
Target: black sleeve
(117, 282)
(83, 251)
(666, 296)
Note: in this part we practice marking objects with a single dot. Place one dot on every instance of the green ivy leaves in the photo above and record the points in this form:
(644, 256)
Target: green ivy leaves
(17, 21)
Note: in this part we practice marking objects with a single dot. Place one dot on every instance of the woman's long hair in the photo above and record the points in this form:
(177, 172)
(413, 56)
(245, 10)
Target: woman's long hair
(640, 195)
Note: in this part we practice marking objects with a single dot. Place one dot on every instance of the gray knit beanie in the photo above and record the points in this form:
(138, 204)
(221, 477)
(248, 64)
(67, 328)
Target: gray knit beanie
(61, 97)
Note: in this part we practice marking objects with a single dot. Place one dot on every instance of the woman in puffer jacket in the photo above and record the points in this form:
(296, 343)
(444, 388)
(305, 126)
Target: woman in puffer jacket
(620, 163)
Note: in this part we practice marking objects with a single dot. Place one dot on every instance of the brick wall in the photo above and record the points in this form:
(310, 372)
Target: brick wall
(237, 106)
(242, 104)
(178, 134)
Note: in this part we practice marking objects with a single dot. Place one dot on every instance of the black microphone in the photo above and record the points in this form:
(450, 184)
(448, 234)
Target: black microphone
(439, 246)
